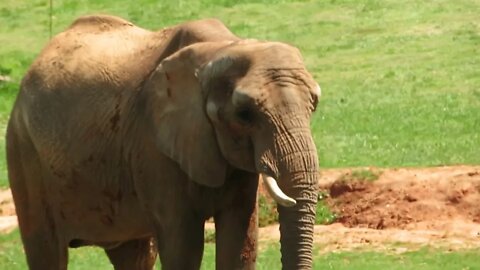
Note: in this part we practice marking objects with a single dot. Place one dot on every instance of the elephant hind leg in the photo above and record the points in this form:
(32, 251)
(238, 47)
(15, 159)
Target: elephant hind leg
(44, 246)
(139, 254)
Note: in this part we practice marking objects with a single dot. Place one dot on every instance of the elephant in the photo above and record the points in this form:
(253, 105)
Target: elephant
(130, 139)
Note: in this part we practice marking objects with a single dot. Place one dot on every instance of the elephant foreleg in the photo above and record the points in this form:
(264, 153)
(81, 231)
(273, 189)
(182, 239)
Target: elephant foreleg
(236, 227)
(137, 254)
(180, 243)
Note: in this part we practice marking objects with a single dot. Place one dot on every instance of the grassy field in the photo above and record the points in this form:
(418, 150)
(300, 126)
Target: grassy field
(400, 83)
(400, 80)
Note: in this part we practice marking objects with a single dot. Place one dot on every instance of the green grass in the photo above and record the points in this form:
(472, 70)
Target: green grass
(425, 259)
(12, 258)
(268, 215)
(324, 215)
(267, 211)
(400, 80)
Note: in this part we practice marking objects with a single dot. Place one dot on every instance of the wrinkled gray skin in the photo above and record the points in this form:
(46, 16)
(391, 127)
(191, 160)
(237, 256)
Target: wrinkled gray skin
(130, 139)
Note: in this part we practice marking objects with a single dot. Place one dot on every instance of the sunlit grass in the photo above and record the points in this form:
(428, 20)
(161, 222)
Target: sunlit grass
(13, 258)
(400, 80)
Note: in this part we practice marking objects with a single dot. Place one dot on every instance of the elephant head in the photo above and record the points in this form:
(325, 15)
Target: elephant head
(247, 105)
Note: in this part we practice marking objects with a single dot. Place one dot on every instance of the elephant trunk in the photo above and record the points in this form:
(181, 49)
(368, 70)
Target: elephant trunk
(297, 222)
(290, 156)
(298, 170)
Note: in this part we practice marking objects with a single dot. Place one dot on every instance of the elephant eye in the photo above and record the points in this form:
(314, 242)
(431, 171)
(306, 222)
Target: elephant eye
(245, 115)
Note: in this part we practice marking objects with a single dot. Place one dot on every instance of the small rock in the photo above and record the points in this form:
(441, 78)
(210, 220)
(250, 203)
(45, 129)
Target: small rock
(4, 78)
(410, 198)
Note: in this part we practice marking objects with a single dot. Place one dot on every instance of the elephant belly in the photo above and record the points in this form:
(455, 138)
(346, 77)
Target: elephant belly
(90, 215)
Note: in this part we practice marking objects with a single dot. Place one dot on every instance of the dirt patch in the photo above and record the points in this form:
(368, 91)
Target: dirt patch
(434, 206)
(397, 210)
(8, 219)
(430, 199)
(337, 237)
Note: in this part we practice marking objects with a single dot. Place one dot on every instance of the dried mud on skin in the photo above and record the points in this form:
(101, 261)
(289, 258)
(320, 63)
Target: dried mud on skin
(403, 209)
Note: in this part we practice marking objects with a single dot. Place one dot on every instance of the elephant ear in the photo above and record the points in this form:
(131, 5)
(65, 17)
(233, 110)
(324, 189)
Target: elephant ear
(182, 130)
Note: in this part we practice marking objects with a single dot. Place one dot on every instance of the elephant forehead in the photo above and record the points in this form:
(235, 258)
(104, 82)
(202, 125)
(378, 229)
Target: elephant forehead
(276, 55)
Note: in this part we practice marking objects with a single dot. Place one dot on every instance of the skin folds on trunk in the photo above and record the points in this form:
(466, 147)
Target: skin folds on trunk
(296, 166)
(297, 222)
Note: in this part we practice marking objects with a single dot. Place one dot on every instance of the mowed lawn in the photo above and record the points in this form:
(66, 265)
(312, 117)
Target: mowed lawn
(400, 83)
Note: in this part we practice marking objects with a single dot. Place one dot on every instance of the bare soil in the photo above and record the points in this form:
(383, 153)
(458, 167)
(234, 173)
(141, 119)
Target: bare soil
(8, 219)
(403, 209)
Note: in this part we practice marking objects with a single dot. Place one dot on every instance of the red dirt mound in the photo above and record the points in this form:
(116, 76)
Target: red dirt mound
(433, 198)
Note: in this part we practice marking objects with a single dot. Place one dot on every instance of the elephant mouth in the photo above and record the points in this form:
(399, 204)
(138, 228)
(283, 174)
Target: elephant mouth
(276, 193)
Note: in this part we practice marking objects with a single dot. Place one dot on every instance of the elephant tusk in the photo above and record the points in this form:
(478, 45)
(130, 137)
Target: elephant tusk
(276, 193)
